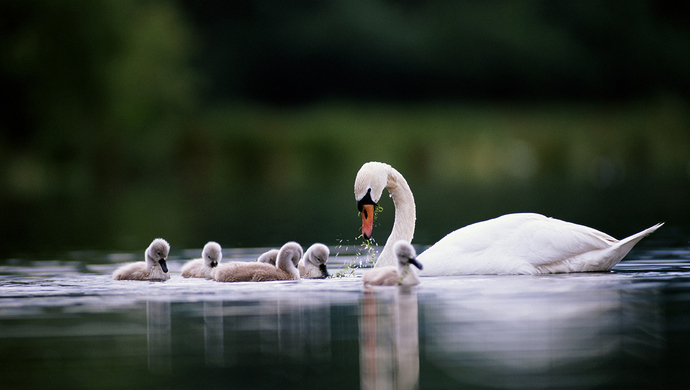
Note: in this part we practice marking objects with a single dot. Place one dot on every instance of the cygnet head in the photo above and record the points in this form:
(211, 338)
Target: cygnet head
(317, 255)
(288, 259)
(269, 257)
(291, 251)
(406, 254)
(157, 253)
(212, 254)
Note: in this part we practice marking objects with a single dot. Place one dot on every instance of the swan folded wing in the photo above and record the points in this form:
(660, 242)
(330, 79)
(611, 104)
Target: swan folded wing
(480, 248)
(523, 243)
(553, 245)
(194, 269)
(138, 271)
(532, 240)
(238, 271)
(133, 271)
(383, 276)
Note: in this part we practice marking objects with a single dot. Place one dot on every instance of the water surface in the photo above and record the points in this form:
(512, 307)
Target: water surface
(67, 324)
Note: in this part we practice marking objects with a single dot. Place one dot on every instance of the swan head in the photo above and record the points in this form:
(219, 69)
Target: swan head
(212, 254)
(290, 251)
(406, 254)
(157, 253)
(269, 257)
(371, 179)
(317, 255)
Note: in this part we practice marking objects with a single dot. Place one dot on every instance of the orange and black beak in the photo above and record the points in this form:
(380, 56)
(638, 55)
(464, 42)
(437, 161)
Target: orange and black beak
(367, 220)
(367, 206)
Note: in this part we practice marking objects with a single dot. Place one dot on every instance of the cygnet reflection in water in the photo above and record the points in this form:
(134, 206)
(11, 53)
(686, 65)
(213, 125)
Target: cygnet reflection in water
(388, 339)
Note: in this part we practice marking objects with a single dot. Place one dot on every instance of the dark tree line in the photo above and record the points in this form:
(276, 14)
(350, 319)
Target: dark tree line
(295, 51)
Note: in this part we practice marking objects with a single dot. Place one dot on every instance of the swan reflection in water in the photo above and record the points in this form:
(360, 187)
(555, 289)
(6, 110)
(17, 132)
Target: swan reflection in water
(518, 332)
(294, 329)
(213, 333)
(158, 335)
(544, 332)
(388, 339)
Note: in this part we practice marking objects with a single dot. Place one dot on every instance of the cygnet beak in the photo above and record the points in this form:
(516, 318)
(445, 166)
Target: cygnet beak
(416, 263)
(163, 265)
(324, 270)
(214, 264)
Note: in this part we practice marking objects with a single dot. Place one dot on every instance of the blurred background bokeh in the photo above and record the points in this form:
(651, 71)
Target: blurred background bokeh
(246, 121)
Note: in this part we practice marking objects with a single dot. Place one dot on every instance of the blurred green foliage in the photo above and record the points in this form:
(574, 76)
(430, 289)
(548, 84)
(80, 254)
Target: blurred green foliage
(295, 51)
(245, 122)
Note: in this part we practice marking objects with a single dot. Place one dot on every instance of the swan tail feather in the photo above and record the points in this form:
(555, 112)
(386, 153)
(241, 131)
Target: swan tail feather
(626, 244)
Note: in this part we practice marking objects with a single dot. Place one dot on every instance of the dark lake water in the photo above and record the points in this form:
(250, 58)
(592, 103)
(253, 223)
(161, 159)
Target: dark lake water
(67, 324)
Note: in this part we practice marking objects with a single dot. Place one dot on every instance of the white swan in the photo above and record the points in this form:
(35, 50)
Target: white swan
(511, 244)
(400, 274)
(313, 264)
(154, 268)
(244, 271)
(211, 256)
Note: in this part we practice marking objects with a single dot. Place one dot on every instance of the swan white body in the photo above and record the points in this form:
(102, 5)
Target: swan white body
(154, 268)
(511, 244)
(401, 274)
(211, 256)
(242, 271)
(313, 264)
(526, 244)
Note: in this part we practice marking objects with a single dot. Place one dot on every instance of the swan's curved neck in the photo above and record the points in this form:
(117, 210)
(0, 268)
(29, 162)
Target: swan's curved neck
(405, 216)
(150, 261)
(286, 262)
